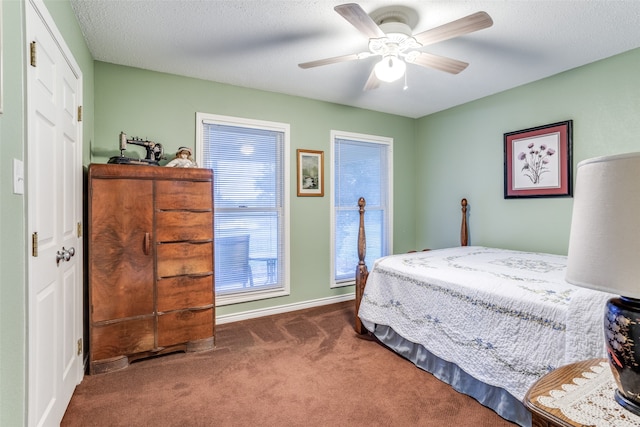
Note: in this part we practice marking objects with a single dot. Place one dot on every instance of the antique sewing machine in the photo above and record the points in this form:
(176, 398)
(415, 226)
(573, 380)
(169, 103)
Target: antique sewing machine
(155, 152)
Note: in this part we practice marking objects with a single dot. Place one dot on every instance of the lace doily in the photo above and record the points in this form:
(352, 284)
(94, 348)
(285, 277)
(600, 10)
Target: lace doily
(589, 400)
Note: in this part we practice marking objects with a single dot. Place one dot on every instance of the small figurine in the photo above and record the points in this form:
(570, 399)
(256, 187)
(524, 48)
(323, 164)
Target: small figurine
(182, 159)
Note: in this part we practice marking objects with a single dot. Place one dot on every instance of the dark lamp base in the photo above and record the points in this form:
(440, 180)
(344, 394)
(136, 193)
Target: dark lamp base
(627, 404)
(622, 336)
(631, 301)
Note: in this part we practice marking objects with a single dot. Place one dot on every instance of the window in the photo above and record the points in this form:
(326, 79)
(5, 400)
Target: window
(361, 167)
(250, 161)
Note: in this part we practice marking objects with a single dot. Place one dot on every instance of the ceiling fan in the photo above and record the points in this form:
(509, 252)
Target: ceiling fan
(389, 32)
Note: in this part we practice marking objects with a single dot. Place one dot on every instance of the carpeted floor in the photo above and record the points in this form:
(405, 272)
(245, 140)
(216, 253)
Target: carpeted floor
(305, 368)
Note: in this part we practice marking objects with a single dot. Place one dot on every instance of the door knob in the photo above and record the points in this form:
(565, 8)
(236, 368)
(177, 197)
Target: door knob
(65, 254)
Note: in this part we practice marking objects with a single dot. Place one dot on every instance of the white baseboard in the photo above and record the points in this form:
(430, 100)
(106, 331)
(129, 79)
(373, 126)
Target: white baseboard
(252, 314)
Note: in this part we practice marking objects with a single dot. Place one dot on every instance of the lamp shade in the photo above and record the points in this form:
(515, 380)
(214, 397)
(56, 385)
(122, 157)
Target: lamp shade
(604, 244)
(390, 68)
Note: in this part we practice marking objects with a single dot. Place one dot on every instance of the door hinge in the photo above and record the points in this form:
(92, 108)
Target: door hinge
(33, 54)
(79, 113)
(34, 244)
(79, 229)
(79, 346)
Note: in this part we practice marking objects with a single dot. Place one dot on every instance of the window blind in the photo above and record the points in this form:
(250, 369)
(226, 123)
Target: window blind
(248, 167)
(361, 169)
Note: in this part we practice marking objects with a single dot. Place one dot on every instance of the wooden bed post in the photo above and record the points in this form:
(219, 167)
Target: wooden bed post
(361, 269)
(464, 231)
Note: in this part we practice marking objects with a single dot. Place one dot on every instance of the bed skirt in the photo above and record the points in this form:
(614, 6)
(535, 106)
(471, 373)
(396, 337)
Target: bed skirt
(495, 398)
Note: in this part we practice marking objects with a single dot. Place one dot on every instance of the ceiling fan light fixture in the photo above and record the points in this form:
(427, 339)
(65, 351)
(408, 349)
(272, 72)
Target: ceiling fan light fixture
(390, 68)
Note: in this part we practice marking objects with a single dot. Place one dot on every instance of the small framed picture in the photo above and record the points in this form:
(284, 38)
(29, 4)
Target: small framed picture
(310, 173)
(537, 161)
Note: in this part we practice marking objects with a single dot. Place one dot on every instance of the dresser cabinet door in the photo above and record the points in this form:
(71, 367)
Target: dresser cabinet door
(122, 254)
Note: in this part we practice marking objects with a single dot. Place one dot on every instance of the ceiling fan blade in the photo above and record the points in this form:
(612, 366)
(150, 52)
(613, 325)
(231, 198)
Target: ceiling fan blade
(328, 61)
(466, 25)
(441, 63)
(357, 17)
(372, 82)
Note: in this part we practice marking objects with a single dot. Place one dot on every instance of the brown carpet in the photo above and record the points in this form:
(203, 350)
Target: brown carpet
(305, 368)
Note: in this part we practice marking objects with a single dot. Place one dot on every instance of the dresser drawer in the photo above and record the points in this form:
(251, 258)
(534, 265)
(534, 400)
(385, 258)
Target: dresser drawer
(175, 259)
(183, 195)
(122, 292)
(174, 226)
(184, 326)
(123, 337)
(182, 292)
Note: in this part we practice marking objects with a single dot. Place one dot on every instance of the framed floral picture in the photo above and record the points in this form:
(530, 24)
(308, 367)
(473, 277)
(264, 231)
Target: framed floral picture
(537, 161)
(310, 173)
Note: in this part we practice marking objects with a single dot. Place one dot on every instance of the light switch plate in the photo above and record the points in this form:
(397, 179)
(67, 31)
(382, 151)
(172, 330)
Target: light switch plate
(18, 177)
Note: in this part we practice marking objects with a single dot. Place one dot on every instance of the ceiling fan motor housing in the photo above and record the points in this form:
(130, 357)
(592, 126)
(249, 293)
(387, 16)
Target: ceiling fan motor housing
(396, 30)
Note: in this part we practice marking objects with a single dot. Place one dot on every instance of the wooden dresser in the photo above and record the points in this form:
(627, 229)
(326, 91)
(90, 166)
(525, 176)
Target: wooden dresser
(150, 262)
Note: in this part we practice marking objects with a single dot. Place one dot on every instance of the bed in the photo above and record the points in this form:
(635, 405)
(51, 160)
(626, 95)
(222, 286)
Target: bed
(488, 321)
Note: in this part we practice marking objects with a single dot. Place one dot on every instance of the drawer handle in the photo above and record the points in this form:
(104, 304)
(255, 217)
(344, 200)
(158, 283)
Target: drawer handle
(147, 243)
(195, 309)
(195, 276)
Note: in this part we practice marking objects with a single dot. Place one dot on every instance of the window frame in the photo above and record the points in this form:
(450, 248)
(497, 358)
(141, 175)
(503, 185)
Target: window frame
(373, 139)
(285, 288)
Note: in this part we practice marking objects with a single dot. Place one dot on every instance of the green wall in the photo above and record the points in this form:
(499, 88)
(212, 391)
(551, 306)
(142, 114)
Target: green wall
(12, 223)
(162, 107)
(13, 244)
(460, 154)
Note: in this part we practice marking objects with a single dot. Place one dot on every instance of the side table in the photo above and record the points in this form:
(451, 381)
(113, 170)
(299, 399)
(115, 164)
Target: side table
(577, 395)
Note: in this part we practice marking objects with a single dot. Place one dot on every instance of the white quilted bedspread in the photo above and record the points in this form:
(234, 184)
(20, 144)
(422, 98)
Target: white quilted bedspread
(505, 317)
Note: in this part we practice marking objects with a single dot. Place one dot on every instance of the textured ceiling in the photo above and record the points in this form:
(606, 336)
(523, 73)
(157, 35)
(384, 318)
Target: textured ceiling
(258, 44)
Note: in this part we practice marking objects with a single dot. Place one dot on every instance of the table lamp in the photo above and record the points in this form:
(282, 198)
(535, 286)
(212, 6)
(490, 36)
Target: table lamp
(604, 254)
